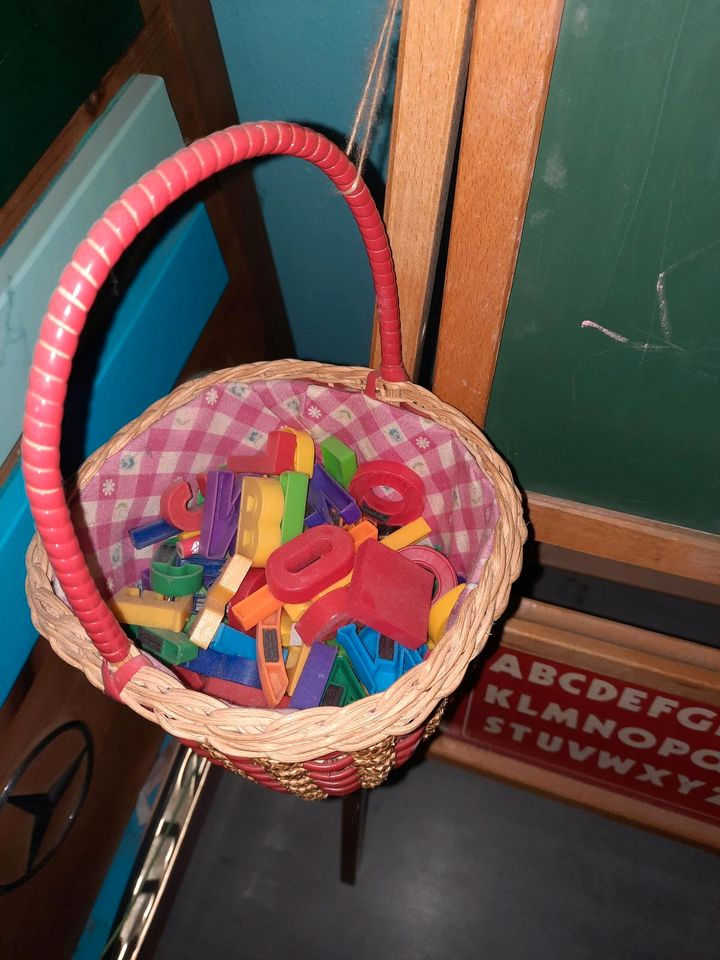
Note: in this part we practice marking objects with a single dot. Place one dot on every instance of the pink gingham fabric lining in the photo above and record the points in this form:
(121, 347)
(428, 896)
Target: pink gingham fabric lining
(236, 418)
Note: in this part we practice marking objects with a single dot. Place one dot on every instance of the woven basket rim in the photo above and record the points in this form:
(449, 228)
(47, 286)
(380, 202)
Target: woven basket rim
(297, 736)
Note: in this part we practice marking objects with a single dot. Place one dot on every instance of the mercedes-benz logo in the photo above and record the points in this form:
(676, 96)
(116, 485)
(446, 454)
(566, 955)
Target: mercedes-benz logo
(40, 802)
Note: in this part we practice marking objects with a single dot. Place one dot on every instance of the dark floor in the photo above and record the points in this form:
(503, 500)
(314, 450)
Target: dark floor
(454, 866)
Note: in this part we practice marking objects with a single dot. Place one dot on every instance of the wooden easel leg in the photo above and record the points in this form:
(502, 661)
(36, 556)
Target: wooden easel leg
(353, 822)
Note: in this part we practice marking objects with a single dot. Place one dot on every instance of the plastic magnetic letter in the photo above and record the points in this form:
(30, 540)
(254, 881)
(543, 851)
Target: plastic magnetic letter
(211, 568)
(153, 532)
(438, 565)
(285, 629)
(254, 579)
(273, 676)
(391, 594)
(389, 664)
(412, 658)
(318, 508)
(234, 642)
(248, 612)
(339, 502)
(209, 663)
(167, 645)
(304, 451)
(278, 456)
(313, 680)
(150, 609)
(362, 662)
(296, 665)
(296, 610)
(339, 460)
(237, 693)
(174, 506)
(172, 581)
(295, 490)
(324, 617)
(409, 490)
(220, 513)
(305, 566)
(188, 547)
(407, 535)
(218, 597)
(440, 613)
(261, 512)
(342, 675)
(360, 532)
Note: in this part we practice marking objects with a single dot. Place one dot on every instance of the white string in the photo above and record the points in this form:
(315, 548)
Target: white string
(367, 109)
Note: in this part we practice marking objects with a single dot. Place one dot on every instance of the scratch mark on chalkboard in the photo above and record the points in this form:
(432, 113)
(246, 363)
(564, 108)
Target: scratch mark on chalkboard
(694, 254)
(665, 325)
(643, 182)
(608, 333)
(633, 344)
(662, 304)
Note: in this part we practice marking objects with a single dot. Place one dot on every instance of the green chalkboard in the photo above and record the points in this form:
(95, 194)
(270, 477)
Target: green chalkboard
(607, 389)
(53, 54)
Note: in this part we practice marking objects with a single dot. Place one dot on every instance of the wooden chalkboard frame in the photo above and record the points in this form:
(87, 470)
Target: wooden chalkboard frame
(511, 40)
(510, 63)
(431, 77)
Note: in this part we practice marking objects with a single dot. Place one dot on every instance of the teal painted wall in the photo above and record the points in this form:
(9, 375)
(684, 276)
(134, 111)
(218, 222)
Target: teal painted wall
(305, 61)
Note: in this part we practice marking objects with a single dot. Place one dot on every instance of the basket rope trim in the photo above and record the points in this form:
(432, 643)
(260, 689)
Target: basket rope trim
(299, 736)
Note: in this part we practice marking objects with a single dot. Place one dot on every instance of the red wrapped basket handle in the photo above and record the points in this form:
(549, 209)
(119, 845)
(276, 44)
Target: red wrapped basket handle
(75, 294)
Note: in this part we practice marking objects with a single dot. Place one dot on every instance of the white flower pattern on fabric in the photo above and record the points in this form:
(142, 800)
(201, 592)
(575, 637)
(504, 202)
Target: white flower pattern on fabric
(314, 412)
(422, 442)
(110, 584)
(108, 488)
(211, 396)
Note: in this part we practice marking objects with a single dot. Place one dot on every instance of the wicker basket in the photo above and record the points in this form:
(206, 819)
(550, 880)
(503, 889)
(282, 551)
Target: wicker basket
(311, 753)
